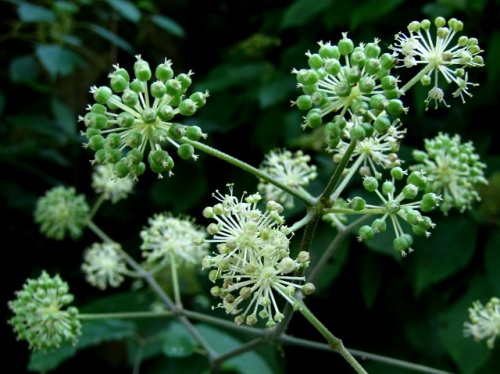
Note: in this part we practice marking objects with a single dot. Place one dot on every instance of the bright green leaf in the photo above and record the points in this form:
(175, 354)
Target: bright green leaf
(58, 60)
(23, 69)
(111, 37)
(33, 13)
(221, 342)
(303, 11)
(168, 25)
(177, 341)
(448, 250)
(126, 9)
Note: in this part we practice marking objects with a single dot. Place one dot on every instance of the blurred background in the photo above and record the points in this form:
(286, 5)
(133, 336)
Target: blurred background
(242, 52)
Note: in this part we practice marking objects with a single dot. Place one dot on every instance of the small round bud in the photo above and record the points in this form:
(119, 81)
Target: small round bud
(396, 107)
(315, 61)
(370, 184)
(185, 151)
(357, 132)
(308, 289)
(304, 102)
(187, 107)
(357, 203)
(102, 94)
(345, 45)
(397, 173)
(381, 124)
(403, 243)
(429, 202)
(164, 71)
(410, 191)
(365, 233)
(379, 225)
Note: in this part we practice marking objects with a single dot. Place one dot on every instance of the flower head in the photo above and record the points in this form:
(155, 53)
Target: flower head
(132, 117)
(40, 316)
(439, 55)
(60, 211)
(291, 169)
(103, 265)
(253, 258)
(454, 169)
(484, 321)
(170, 238)
(106, 183)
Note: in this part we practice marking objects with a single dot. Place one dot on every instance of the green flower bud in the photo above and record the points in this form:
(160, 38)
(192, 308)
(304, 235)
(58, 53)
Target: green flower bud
(185, 151)
(137, 169)
(137, 86)
(358, 57)
(194, 132)
(403, 243)
(357, 132)
(102, 94)
(304, 102)
(379, 225)
(389, 82)
(125, 120)
(396, 107)
(370, 183)
(158, 89)
(187, 107)
(96, 142)
(307, 77)
(113, 141)
(329, 51)
(121, 169)
(309, 89)
(130, 98)
(381, 124)
(174, 87)
(134, 156)
(199, 98)
(378, 101)
(165, 112)
(176, 131)
(352, 75)
(96, 121)
(366, 84)
(343, 89)
(345, 45)
(314, 119)
(387, 61)
(332, 66)
(308, 289)
(429, 202)
(410, 191)
(372, 50)
(388, 188)
(118, 82)
(185, 80)
(418, 179)
(397, 173)
(133, 139)
(357, 203)
(315, 61)
(142, 70)
(164, 71)
(148, 115)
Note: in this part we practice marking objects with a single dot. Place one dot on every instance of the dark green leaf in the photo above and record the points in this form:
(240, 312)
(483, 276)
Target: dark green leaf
(23, 69)
(222, 341)
(58, 60)
(111, 37)
(126, 9)
(33, 13)
(177, 341)
(275, 91)
(492, 260)
(371, 10)
(168, 25)
(492, 56)
(371, 277)
(65, 118)
(302, 12)
(446, 251)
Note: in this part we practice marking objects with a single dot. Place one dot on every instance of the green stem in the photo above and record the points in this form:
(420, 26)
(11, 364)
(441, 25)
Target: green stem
(146, 314)
(175, 281)
(96, 207)
(299, 194)
(416, 79)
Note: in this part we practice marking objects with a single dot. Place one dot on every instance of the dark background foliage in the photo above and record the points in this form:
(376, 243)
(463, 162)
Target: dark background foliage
(243, 53)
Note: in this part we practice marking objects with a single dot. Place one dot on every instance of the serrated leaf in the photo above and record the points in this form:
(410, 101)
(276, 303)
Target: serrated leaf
(221, 342)
(57, 60)
(111, 37)
(23, 69)
(126, 9)
(303, 11)
(177, 341)
(34, 13)
(448, 249)
(168, 24)
(93, 333)
(371, 10)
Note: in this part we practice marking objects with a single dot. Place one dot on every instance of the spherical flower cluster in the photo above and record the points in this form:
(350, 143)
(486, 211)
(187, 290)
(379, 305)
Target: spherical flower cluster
(103, 265)
(454, 169)
(288, 168)
(60, 211)
(39, 314)
(132, 115)
(112, 188)
(177, 240)
(375, 152)
(484, 321)
(348, 80)
(394, 209)
(439, 56)
(253, 259)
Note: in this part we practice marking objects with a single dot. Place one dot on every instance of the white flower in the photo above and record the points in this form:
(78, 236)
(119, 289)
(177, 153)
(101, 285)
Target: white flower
(103, 265)
(484, 321)
(112, 188)
(290, 169)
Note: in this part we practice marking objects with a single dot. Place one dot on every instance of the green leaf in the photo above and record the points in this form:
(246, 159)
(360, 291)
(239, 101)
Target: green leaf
(446, 251)
(58, 60)
(126, 9)
(469, 355)
(168, 24)
(33, 13)
(221, 342)
(177, 341)
(23, 69)
(65, 118)
(371, 10)
(227, 76)
(111, 37)
(93, 333)
(276, 91)
(371, 277)
(492, 260)
(492, 56)
(303, 11)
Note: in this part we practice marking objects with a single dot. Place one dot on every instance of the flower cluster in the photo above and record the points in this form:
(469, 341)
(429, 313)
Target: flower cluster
(394, 209)
(131, 115)
(454, 169)
(176, 240)
(290, 169)
(252, 259)
(112, 188)
(484, 321)
(350, 81)
(103, 265)
(61, 211)
(439, 55)
(39, 314)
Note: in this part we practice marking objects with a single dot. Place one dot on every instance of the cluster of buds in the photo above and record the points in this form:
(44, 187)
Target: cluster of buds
(439, 56)
(253, 259)
(60, 212)
(484, 321)
(131, 115)
(289, 168)
(105, 183)
(454, 169)
(40, 316)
